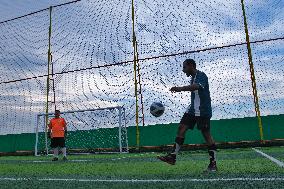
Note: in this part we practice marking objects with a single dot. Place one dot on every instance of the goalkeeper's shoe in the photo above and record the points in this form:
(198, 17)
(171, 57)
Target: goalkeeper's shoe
(170, 159)
(212, 167)
(55, 159)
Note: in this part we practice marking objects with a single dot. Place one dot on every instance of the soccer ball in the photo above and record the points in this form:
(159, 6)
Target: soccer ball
(157, 109)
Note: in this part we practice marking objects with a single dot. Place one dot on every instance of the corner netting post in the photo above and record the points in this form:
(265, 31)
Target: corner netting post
(253, 82)
(135, 66)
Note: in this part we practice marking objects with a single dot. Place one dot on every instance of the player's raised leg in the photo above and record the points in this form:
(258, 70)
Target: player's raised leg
(171, 157)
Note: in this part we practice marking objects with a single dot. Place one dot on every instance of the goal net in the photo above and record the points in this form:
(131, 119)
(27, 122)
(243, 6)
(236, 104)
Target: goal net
(93, 130)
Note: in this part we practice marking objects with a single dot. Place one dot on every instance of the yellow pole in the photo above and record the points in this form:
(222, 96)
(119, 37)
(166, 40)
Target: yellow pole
(48, 72)
(252, 75)
(135, 76)
(140, 87)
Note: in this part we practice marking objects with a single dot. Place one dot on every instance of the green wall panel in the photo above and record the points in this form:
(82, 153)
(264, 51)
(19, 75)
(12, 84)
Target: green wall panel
(229, 130)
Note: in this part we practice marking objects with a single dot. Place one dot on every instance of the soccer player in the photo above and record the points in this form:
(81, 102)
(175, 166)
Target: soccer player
(199, 112)
(57, 131)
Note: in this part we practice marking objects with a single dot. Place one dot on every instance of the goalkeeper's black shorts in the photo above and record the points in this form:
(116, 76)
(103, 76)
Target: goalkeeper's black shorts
(57, 142)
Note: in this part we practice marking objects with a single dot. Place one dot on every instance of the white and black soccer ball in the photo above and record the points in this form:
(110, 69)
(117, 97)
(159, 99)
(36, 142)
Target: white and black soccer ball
(157, 109)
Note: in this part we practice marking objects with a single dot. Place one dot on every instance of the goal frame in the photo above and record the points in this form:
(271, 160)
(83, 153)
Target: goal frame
(122, 125)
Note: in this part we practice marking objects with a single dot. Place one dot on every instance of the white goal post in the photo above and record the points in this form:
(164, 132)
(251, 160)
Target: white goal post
(101, 130)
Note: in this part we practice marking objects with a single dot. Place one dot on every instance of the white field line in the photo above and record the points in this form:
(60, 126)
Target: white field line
(279, 163)
(146, 181)
(49, 161)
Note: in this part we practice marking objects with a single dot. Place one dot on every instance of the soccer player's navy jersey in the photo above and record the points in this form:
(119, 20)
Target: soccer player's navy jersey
(200, 99)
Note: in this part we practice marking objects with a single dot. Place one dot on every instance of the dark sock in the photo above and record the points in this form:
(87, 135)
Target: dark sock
(212, 150)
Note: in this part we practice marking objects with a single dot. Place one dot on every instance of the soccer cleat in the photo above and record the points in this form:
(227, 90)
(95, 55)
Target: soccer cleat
(212, 167)
(170, 159)
(55, 159)
(64, 158)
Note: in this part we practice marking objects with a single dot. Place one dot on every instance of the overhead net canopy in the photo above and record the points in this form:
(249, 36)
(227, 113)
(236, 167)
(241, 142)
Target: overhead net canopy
(92, 59)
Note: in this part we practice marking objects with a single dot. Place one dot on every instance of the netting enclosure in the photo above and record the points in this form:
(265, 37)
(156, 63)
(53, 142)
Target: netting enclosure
(95, 54)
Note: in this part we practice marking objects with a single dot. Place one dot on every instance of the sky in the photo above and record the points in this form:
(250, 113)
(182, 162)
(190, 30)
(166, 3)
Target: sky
(91, 33)
(16, 8)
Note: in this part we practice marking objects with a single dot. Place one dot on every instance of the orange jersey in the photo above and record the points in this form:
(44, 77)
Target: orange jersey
(57, 127)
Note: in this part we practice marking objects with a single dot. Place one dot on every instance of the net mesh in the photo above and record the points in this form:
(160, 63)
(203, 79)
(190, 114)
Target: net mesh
(92, 59)
(23, 46)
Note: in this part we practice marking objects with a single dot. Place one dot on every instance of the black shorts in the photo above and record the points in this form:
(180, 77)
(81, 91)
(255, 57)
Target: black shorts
(57, 142)
(203, 123)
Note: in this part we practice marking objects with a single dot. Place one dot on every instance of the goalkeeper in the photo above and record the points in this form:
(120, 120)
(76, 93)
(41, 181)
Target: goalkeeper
(57, 131)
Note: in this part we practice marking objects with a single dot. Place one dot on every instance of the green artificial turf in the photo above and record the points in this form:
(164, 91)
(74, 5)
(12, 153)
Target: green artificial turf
(123, 170)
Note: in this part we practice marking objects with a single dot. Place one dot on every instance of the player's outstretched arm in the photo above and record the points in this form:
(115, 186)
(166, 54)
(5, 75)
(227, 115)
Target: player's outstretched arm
(175, 89)
(192, 87)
